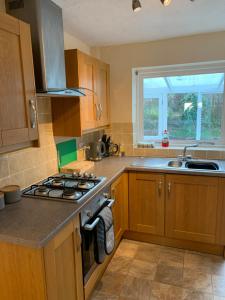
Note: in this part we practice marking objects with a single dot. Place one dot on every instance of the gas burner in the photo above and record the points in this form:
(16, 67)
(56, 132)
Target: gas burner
(71, 184)
(72, 194)
(57, 182)
(87, 185)
(41, 191)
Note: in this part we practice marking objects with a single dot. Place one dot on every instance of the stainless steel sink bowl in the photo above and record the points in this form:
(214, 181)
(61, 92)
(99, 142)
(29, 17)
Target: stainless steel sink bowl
(202, 165)
(175, 164)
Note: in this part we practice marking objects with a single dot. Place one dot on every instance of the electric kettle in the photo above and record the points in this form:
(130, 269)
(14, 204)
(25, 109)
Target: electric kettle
(96, 151)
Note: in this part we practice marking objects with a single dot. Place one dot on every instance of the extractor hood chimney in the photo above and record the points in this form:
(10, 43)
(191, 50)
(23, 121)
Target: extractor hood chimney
(45, 19)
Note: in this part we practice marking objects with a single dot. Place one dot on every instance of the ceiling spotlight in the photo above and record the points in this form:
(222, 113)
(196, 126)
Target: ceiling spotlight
(136, 5)
(166, 2)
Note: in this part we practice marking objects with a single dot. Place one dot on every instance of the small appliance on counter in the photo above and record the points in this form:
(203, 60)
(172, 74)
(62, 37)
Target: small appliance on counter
(96, 151)
(110, 147)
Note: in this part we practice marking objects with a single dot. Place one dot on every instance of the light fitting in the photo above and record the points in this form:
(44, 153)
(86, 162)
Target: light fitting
(166, 2)
(136, 5)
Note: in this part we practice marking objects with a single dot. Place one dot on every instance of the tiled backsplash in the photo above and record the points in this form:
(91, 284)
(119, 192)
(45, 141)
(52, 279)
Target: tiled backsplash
(27, 166)
(124, 133)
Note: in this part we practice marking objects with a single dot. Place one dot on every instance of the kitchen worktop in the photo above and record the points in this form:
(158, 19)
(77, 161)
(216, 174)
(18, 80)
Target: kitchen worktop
(33, 222)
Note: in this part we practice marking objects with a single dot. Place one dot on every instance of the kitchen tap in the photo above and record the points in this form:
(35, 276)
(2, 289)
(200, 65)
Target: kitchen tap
(185, 157)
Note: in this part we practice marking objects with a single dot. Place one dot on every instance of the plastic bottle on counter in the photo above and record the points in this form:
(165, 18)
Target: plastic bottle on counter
(165, 139)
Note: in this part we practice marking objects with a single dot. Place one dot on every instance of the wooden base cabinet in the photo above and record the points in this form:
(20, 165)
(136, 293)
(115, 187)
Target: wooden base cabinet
(192, 207)
(146, 203)
(50, 273)
(119, 192)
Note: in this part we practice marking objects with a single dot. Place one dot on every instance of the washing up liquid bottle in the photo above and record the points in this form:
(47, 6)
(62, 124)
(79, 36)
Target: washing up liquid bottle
(165, 139)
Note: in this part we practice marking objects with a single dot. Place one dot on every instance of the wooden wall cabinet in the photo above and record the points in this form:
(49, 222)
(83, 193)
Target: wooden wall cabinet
(50, 273)
(18, 116)
(72, 117)
(119, 192)
(146, 203)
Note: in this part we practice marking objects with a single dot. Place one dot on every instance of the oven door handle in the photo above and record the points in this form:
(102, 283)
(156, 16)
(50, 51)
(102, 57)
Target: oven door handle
(90, 227)
(111, 202)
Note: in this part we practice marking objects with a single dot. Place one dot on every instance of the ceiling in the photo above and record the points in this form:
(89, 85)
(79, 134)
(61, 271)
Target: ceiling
(110, 22)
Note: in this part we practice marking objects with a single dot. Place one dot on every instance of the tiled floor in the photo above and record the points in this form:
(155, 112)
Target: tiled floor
(142, 271)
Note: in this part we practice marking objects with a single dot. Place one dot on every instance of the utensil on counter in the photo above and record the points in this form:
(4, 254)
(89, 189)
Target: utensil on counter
(111, 148)
(12, 193)
(2, 201)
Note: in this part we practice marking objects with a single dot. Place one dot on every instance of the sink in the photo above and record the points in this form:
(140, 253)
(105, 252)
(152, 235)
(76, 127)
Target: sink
(203, 165)
(175, 164)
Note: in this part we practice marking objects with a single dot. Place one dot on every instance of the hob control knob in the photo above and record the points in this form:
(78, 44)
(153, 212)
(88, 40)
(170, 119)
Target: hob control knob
(89, 213)
(106, 195)
(86, 175)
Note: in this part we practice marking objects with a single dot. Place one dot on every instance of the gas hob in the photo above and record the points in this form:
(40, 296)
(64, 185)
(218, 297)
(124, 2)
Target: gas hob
(65, 187)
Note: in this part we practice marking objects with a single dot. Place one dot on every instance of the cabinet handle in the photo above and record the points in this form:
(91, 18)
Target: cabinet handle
(100, 111)
(78, 239)
(97, 111)
(169, 188)
(160, 187)
(33, 113)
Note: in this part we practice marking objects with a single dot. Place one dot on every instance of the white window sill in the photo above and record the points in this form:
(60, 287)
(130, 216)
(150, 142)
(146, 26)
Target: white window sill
(181, 147)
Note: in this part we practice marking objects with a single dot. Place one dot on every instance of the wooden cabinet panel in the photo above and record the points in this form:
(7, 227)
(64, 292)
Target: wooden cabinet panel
(191, 207)
(119, 192)
(102, 91)
(17, 95)
(21, 273)
(86, 72)
(220, 239)
(88, 104)
(146, 203)
(64, 265)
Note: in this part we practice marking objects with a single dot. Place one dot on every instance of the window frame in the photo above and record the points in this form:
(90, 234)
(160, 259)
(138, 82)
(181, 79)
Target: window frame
(139, 74)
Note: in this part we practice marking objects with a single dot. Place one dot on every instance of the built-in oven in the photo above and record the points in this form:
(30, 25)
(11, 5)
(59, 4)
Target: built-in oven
(89, 221)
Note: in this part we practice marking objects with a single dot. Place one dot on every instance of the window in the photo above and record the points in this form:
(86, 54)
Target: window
(187, 100)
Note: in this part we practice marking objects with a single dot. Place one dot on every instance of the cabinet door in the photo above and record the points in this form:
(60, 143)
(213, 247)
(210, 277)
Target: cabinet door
(102, 90)
(86, 74)
(191, 207)
(17, 95)
(146, 203)
(64, 265)
(119, 192)
(220, 240)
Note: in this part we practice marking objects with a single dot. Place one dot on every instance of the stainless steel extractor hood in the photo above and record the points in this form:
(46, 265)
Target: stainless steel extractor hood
(45, 19)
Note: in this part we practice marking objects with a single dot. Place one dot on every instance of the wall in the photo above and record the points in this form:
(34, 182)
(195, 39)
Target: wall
(27, 166)
(71, 42)
(122, 58)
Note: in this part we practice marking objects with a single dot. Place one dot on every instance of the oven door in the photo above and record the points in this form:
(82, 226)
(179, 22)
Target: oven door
(88, 233)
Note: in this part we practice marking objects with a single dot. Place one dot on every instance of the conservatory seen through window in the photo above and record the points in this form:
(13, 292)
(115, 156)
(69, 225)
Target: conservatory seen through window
(189, 106)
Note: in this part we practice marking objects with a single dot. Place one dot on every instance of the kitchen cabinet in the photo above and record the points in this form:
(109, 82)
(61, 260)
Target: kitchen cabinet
(220, 239)
(50, 273)
(146, 203)
(18, 117)
(192, 207)
(72, 117)
(119, 192)
(102, 93)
